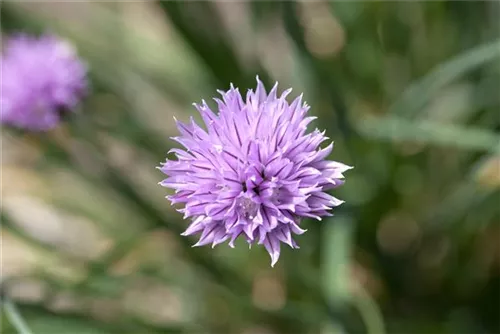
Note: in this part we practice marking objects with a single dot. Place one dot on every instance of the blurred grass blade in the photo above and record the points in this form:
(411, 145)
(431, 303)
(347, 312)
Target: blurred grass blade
(369, 311)
(476, 189)
(347, 12)
(325, 84)
(391, 128)
(418, 94)
(337, 245)
(262, 12)
(337, 249)
(11, 22)
(45, 321)
(200, 26)
(40, 247)
(14, 317)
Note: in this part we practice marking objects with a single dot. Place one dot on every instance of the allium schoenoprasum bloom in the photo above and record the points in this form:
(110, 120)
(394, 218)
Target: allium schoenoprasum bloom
(255, 172)
(41, 78)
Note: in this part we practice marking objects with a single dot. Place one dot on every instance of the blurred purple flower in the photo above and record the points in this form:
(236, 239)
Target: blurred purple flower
(41, 78)
(255, 173)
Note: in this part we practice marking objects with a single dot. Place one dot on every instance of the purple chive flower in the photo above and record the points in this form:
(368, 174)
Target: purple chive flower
(254, 172)
(41, 77)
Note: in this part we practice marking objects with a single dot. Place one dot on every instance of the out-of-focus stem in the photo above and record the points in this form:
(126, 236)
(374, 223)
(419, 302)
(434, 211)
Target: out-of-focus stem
(15, 317)
(369, 312)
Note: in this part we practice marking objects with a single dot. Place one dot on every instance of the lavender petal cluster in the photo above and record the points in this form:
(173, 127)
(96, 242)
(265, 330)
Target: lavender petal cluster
(41, 78)
(254, 172)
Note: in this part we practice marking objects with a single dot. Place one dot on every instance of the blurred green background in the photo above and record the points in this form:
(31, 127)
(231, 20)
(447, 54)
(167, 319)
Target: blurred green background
(409, 92)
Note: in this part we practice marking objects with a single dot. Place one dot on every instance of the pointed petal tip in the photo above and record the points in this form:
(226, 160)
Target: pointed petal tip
(198, 244)
(286, 92)
(274, 259)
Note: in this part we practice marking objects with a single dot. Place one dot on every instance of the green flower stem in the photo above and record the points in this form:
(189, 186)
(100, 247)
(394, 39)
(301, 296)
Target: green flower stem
(15, 317)
(369, 312)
